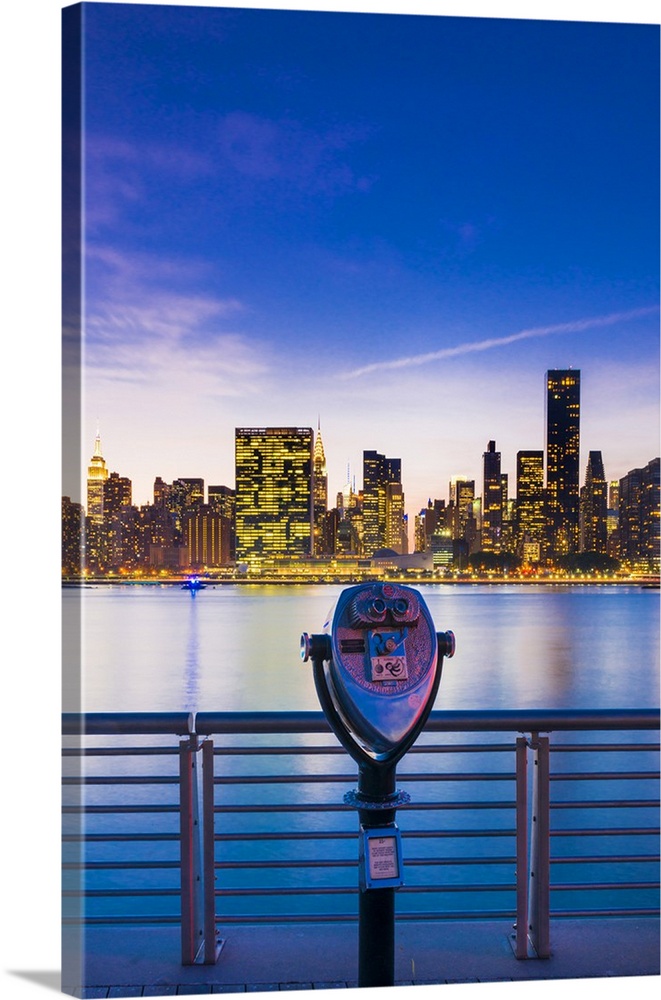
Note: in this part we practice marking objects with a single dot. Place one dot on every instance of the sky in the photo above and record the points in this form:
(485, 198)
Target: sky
(388, 225)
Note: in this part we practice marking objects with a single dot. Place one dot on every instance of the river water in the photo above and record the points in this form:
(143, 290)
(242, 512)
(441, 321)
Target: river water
(151, 648)
(236, 647)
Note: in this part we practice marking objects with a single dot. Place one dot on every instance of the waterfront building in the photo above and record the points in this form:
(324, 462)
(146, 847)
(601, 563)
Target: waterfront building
(124, 539)
(158, 534)
(612, 519)
(593, 509)
(97, 474)
(320, 491)
(639, 517)
(396, 534)
(492, 500)
(274, 495)
(223, 501)
(530, 518)
(161, 492)
(206, 536)
(442, 548)
(378, 473)
(73, 537)
(462, 495)
(563, 413)
(117, 493)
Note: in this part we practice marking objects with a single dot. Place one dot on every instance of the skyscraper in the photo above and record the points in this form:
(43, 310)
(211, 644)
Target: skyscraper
(492, 500)
(563, 412)
(462, 495)
(594, 507)
(530, 520)
(378, 473)
(320, 488)
(639, 517)
(274, 500)
(97, 474)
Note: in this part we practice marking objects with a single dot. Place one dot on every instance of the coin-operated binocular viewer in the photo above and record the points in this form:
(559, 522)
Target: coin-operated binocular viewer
(377, 667)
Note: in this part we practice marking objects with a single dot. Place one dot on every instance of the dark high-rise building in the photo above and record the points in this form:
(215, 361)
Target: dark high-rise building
(492, 500)
(274, 500)
(161, 492)
(73, 537)
(530, 518)
(563, 413)
(378, 473)
(191, 491)
(223, 501)
(462, 495)
(117, 493)
(206, 535)
(639, 517)
(594, 507)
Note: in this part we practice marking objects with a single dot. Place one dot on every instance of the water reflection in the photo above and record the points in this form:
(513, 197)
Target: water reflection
(236, 648)
(192, 662)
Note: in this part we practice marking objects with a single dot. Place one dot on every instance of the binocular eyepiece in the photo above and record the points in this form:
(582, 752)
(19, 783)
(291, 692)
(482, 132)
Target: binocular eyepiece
(377, 667)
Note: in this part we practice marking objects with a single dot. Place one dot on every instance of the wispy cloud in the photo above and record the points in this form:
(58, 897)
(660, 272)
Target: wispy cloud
(476, 346)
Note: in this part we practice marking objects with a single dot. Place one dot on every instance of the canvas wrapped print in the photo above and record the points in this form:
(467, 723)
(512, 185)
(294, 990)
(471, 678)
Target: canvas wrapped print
(360, 514)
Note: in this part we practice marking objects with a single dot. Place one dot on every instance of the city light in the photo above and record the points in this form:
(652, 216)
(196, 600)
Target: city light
(276, 524)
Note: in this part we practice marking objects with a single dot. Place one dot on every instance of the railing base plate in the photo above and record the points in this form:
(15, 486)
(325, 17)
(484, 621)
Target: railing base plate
(200, 957)
(530, 949)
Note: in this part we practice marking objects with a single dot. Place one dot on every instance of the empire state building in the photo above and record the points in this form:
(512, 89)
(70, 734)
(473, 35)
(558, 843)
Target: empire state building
(97, 474)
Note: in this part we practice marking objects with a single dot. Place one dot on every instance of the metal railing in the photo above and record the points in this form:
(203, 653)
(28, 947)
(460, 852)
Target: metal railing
(251, 816)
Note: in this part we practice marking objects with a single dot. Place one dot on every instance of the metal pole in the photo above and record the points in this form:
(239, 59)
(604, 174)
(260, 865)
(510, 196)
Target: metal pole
(187, 810)
(212, 945)
(521, 935)
(376, 908)
(540, 860)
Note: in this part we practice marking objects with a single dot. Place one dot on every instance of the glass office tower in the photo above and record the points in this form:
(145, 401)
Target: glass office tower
(563, 417)
(274, 496)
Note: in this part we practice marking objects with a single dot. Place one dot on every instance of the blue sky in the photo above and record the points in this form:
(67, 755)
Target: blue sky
(393, 223)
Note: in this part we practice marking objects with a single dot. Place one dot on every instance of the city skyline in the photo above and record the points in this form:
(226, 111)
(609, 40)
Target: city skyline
(366, 219)
(444, 492)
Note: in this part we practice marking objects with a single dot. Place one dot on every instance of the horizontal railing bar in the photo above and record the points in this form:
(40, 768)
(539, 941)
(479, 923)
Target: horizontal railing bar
(461, 748)
(353, 863)
(582, 886)
(605, 776)
(118, 838)
(605, 747)
(610, 858)
(118, 893)
(610, 912)
(608, 804)
(120, 751)
(118, 865)
(341, 807)
(126, 723)
(123, 810)
(523, 721)
(304, 918)
(352, 890)
(124, 921)
(315, 779)
(107, 779)
(346, 835)
(633, 831)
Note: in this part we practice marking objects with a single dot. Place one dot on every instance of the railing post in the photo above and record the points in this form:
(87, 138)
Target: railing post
(212, 944)
(192, 932)
(540, 854)
(521, 933)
